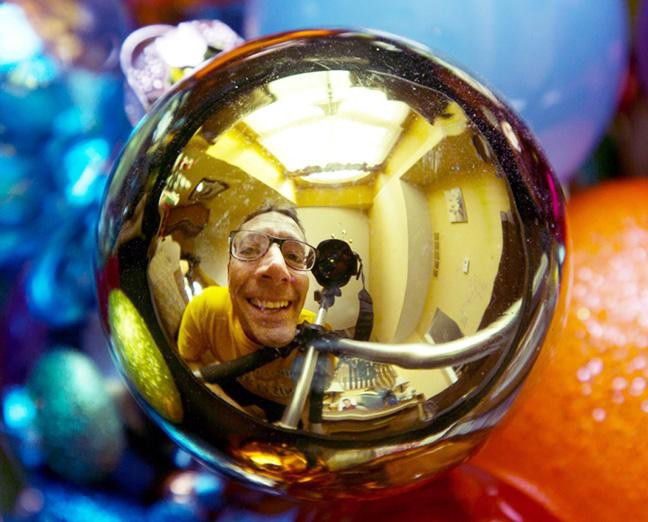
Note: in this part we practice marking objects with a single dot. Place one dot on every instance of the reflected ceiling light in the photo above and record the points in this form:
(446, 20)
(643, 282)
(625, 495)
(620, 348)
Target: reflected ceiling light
(320, 118)
(281, 114)
(330, 140)
(508, 131)
(372, 105)
(313, 87)
(336, 176)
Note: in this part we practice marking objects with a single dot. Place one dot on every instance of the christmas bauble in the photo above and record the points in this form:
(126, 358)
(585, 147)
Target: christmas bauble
(79, 427)
(327, 260)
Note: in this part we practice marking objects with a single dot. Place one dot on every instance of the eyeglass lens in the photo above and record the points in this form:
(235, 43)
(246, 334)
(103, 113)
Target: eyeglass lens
(249, 246)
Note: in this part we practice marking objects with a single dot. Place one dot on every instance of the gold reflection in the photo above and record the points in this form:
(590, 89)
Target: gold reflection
(141, 357)
(273, 458)
(420, 200)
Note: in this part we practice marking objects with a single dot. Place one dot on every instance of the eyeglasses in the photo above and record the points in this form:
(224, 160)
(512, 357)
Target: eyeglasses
(249, 245)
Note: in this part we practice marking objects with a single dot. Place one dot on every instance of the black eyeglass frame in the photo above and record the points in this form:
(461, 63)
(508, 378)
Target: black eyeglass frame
(271, 240)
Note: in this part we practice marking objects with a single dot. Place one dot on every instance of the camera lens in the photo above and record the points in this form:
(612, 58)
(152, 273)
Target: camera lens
(335, 263)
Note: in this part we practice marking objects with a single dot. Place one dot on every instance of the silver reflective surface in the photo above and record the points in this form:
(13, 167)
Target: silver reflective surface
(447, 206)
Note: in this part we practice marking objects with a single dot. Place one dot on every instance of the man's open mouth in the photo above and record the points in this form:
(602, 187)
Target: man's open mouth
(264, 305)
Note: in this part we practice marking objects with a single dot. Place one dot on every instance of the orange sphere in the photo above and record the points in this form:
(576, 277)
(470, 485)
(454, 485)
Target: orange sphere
(463, 494)
(575, 442)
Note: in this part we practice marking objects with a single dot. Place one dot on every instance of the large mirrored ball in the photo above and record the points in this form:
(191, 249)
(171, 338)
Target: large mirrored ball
(327, 262)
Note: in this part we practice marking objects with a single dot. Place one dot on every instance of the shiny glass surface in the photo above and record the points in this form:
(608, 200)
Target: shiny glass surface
(455, 227)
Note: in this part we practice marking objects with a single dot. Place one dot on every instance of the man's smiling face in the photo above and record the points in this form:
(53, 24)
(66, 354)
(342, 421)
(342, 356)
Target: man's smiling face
(268, 296)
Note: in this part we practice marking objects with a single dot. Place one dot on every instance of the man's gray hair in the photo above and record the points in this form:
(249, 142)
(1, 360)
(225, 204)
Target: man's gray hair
(281, 209)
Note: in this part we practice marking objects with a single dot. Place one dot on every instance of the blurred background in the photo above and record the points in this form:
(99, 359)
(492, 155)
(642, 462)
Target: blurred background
(74, 447)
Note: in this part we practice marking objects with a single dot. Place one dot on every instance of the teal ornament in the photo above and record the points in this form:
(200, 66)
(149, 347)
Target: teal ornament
(78, 422)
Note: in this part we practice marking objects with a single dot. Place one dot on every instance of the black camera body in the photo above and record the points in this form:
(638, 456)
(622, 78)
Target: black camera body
(335, 263)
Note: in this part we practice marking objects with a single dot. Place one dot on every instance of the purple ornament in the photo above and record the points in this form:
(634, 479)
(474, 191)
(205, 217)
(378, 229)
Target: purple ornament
(642, 45)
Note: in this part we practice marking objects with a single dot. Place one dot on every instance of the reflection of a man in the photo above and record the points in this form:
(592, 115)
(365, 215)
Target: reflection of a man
(262, 306)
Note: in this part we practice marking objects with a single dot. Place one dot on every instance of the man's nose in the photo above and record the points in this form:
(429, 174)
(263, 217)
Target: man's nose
(273, 265)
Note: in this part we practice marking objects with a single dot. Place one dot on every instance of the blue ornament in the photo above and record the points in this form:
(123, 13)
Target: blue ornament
(182, 459)
(560, 64)
(99, 100)
(18, 410)
(18, 243)
(202, 490)
(66, 503)
(135, 475)
(22, 240)
(19, 416)
(84, 171)
(60, 283)
(31, 95)
(68, 124)
(170, 511)
(21, 190)
(209, 490)
(78, 422)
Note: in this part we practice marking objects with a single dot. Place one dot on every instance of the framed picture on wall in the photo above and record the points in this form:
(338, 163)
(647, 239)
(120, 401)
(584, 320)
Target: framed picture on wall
(455, 205)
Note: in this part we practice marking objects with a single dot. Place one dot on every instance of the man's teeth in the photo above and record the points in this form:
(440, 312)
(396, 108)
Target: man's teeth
(269, 304)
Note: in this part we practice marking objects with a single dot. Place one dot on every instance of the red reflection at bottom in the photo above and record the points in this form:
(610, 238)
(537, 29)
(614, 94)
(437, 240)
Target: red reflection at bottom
(464, 494)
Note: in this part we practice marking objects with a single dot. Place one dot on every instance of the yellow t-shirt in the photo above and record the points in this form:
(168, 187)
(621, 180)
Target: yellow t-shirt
(210, 333)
